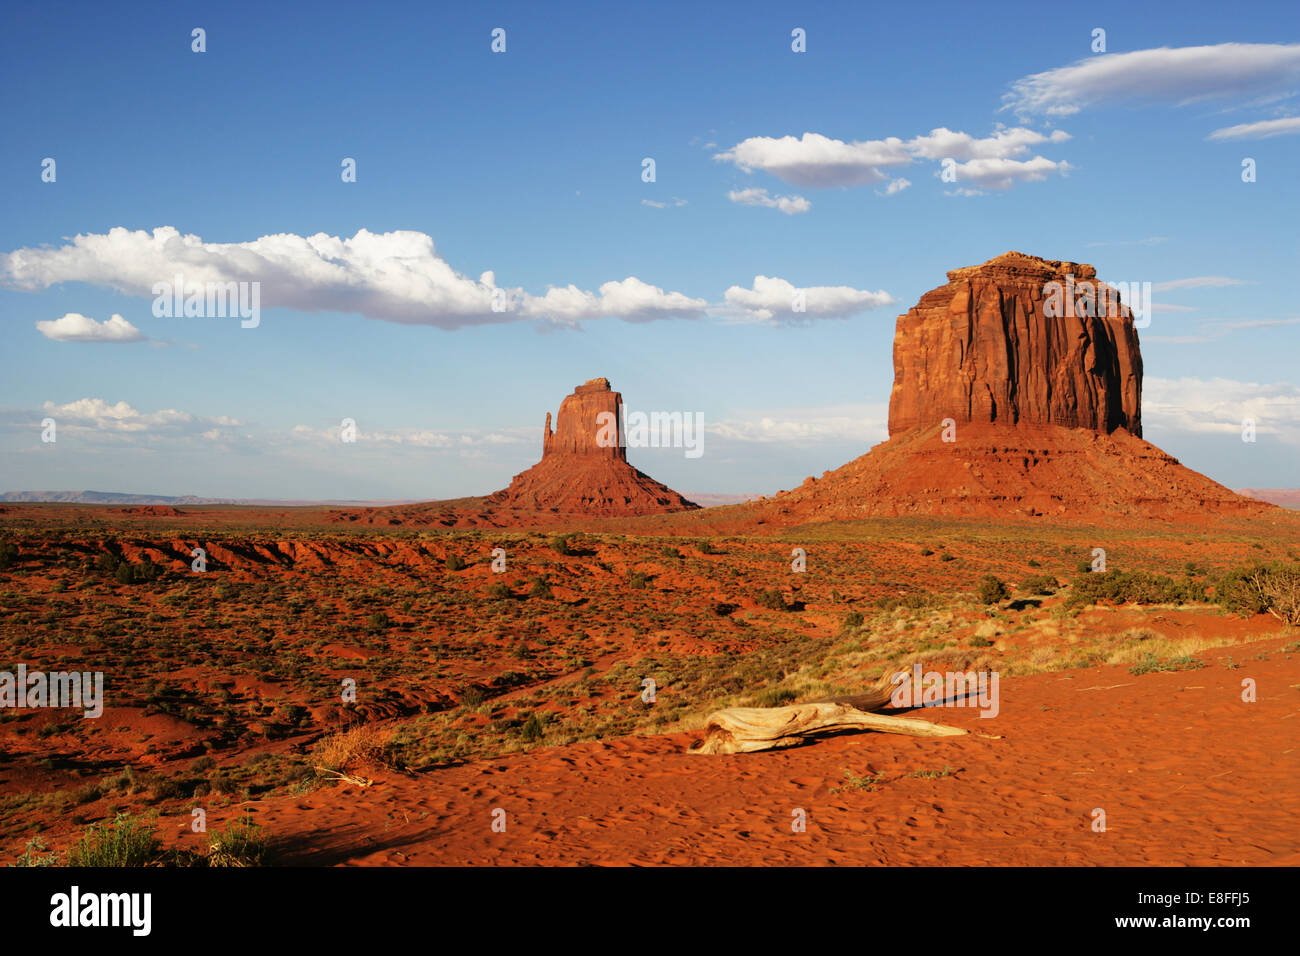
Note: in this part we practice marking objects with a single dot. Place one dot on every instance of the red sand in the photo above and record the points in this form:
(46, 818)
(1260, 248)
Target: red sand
(1186, 772)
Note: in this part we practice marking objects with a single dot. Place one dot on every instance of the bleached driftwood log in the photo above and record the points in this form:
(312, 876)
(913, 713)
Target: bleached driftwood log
(748, 729)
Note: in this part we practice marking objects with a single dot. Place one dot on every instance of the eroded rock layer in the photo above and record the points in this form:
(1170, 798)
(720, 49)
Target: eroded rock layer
(994, 345)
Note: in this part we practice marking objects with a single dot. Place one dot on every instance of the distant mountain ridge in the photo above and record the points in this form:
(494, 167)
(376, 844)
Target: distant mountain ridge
(123, 498)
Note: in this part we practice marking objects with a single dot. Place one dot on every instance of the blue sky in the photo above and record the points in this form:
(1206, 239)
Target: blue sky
(528, 164)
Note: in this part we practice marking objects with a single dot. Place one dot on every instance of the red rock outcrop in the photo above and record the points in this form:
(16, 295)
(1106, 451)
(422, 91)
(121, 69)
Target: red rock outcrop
(993, 346)
(584, 467)
(578, 426)
(1047, 403)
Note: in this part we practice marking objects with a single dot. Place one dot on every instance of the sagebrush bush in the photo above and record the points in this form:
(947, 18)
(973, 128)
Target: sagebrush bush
(990, 590)
(1259, 588)
(1039, 584)
(1137, 587)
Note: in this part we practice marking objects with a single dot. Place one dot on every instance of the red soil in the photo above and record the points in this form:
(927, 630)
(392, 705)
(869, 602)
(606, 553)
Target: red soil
(1186, 773)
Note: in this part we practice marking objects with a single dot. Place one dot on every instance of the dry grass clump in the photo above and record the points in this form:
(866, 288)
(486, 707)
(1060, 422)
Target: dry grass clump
(359, 747)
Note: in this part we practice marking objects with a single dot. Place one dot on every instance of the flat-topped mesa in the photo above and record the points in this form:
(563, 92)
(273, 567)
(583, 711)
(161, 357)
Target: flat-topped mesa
(1018, 340)
(590, 422)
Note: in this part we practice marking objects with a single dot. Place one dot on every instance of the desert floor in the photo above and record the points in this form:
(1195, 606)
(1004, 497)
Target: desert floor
(521, 691)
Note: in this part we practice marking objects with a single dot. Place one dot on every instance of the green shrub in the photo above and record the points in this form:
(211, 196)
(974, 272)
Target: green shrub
(455, 562)
(853, 619)
(532, 729)
(498, 591)
(990, 590)
(775, 697)
(241, 843)
(8, 554)
(541, 589)
(1257, 588)
(1138, 587)
(35, 855)
(1150, 663)
(126, 842)
(1039, 584)
(914, 600)
(637, 580)
(771, 599)
(142, 573)
(560, 545)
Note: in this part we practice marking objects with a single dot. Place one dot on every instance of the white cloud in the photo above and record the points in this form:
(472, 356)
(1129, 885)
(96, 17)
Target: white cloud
(75, 327)
(1005, 143)
(629, 299)
(655, 204)
(1197, 282)
(1219, 405)
(1260, 130)
(1148, 241)
(817, 161)
(850, 422)
(1002, 174)
(328, 435)
(395, 276)
(771, 300)
(820, 162)
(94, 419)
(790, 205)
(1171, 75)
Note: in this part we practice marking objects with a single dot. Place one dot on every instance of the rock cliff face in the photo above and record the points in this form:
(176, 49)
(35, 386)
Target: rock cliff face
(593, 412)
(584, 467)
(1000, 343)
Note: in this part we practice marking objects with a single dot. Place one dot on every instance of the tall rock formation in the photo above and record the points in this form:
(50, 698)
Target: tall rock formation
(999, 343)
(579, 423)
(1046, 393)
(584, 468)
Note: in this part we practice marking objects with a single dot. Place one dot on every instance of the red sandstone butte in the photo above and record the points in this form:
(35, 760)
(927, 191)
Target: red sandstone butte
(1048, 412)
(984, 349)
(584, 467)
